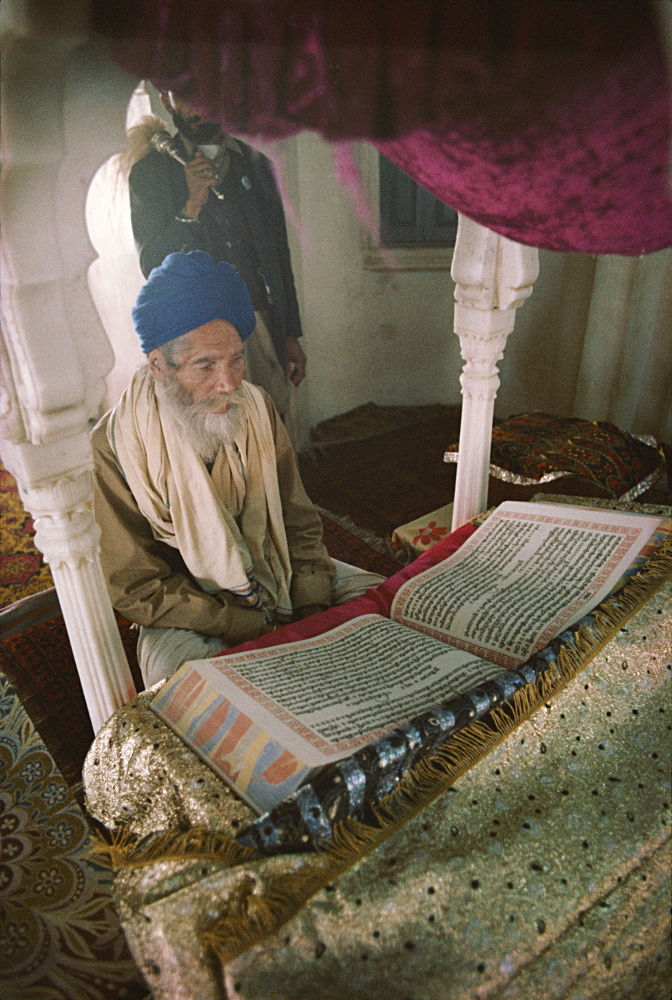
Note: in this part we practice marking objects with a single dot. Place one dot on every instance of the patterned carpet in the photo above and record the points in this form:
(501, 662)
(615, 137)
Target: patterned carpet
(381, 477)
(60, 937)
(22, 569)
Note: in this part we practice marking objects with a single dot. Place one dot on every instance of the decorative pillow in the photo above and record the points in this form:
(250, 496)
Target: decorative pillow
(537, 447)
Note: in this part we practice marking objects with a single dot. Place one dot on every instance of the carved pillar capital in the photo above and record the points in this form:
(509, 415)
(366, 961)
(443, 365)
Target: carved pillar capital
(65, 529)
(483, 336)
(490, 271)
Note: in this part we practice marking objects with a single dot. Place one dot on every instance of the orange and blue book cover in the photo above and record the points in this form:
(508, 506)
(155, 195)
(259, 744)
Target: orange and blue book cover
(261, 770)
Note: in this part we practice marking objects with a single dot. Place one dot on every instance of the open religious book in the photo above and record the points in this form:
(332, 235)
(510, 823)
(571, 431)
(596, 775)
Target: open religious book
(266, 719)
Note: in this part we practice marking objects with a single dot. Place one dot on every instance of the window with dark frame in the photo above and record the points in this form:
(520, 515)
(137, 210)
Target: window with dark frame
(409, 215)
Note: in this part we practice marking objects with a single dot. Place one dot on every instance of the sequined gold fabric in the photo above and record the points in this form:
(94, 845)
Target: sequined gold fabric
(141, 776)
(544, 872)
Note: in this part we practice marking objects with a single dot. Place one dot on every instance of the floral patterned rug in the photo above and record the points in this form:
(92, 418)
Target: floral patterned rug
(22, 569)
(60, 937)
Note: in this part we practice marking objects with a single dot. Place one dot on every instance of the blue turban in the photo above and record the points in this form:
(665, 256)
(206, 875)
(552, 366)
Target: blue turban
(186, 291)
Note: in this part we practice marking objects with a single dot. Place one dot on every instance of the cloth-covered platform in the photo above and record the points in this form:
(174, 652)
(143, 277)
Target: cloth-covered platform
(543, 871)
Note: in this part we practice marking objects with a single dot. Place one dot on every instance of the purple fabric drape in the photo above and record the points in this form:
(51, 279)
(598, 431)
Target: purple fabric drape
(548, 122)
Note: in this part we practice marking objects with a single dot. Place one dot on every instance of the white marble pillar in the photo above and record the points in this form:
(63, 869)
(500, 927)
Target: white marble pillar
(493, 276)
(63, 111)
(67, 534)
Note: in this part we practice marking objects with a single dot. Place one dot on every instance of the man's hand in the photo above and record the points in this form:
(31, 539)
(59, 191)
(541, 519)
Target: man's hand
(307, 610)
(201, 176)
(296, 361)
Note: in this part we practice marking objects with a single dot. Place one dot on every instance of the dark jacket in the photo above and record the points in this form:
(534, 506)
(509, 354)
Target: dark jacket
(158, 191)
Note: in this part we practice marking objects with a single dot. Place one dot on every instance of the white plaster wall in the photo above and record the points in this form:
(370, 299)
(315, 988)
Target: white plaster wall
(374, 336)
(543, 353)
(593, 340)
(387, 336)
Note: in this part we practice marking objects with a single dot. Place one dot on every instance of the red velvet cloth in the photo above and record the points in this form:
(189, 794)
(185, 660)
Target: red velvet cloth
(375, 601)
(546, 122)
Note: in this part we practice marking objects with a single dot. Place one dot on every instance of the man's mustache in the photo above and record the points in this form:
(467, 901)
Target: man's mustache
(203, 405)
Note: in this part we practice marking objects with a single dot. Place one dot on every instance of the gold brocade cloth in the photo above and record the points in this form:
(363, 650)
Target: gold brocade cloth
(542, 873)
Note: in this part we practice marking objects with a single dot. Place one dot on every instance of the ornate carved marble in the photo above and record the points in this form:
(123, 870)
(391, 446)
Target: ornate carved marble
(63, 106)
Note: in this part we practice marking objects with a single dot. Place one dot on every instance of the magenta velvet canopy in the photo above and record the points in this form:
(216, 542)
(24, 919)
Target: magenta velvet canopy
(548, 122)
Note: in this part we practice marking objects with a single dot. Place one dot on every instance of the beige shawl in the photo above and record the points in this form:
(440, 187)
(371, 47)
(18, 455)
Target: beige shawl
(226, 524)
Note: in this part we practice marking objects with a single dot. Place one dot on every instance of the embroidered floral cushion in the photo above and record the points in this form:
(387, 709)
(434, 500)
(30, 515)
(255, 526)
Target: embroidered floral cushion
(538, 447)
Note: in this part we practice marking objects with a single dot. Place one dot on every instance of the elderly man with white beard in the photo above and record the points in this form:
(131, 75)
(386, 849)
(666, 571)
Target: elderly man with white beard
(207, 536)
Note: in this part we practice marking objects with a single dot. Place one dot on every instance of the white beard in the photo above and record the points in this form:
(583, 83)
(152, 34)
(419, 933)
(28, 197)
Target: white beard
(206, 431)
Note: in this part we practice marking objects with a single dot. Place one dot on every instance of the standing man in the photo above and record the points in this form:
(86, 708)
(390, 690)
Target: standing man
(222, 198)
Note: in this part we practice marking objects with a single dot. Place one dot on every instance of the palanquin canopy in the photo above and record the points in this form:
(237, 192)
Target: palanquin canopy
(547, 123)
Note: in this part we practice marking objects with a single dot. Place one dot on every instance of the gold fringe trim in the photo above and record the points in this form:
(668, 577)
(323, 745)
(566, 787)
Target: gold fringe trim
(250, 917)
(123, 849)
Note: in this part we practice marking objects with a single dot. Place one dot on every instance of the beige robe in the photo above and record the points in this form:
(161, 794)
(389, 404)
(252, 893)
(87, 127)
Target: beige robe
(227, 524)
(151, 582)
